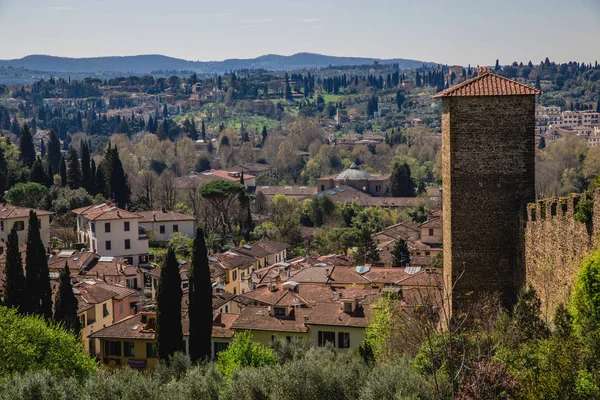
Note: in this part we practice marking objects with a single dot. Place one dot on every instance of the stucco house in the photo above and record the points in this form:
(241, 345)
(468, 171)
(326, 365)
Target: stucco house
(19, 217)
(164, 223)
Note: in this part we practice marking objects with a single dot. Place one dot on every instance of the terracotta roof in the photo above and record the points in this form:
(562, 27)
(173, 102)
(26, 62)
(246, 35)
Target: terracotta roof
(129, 328)
(258, 318)
(77, 262)
(333, 275)
(222, 323)
(162, 216)
(252, 167)
(89, 293)
(233, 259)
(488, 84)
(272, 247)
(332, 314)
(104, 212)
(278, 296)
(251, 250)
(436, 222)
(299, 192)
(8, 211)
(107, 268)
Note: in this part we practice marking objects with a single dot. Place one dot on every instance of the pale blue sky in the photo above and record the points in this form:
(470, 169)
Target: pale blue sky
(453, 32)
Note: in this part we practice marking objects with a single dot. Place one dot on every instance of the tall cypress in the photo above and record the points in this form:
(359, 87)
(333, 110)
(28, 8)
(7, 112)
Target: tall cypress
(169, 335)
(200, 301)
(49, 175)
(203, 131)
(38, 175)
(14, 285)
(402, 184)
(118, 180)
(65, 311)
(3, 174)
(63, 172)
(74, 170)
(93, 186)
(37, 279)
(54, 150)
(86, 172)
(26, 146)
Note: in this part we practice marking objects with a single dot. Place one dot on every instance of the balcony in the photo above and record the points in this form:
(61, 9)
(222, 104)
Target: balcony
(142, 234)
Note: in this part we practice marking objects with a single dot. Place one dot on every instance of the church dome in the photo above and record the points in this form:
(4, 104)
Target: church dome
(354, 174)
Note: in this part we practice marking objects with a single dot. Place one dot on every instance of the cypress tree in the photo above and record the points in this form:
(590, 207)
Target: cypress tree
(63, 172)
(37, 173)
(54, 150)
(203, 131)
(14, 285)
(74, 170)
(402, 185)
(93, 186)
(264, 134)
(100, 180)
(169, 335)
(65, 311)
(37, 279)
(43, 149)
(14, 127)
(86, 172)
(367, 249)
(400, 254)
(118, 180)
(49, 175)
(200, 301)
(3, 174)
(26, 146)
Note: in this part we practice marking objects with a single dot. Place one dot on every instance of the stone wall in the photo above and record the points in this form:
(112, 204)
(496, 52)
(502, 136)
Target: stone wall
(555, 245)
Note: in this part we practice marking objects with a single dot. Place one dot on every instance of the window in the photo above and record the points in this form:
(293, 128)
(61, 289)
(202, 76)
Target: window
(347, 307)
(226, 309)
(107, 227)
(112, 348)
(322, 188)
(162, 229)
(343, 340)
(430, 232)
(427, 253)
(234, 275)
(128, 349)
(129, 261)
(279, 311)
(132, 283)
(144, 259)
(108, 245)
(151, 350)
(82, 320)
(234, 290)
(127, 244)
(2, 226)
(19, 225)
(121, 308)
(219, 347)
(105, 312)
(93, 227)
(175, 228)
(326, 337)
(185, 285)
(126, 226)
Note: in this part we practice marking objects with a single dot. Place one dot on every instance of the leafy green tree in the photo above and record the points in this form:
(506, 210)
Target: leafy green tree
(37, 282)
(367, 251)
(169, 334)
(29, 343)
(244, 352)
(200, 301)
(527, 316)
(26, 146)
(74, 178)
(585, 302)
(65, 310)
(285, 215)
(400, 254)
(14, 283)
(402, 185)
(26, 194)
(180, 243)
(224, 198)
(203, 164)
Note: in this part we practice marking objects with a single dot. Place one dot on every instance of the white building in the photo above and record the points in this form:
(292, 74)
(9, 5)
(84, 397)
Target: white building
(110, 231)
(164, 223)
(19, 217)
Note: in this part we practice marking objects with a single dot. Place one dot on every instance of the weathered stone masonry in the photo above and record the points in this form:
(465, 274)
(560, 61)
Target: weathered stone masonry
(555, 245)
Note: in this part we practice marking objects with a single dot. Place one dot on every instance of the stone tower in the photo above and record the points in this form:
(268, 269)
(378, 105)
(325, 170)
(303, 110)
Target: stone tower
(488, 172)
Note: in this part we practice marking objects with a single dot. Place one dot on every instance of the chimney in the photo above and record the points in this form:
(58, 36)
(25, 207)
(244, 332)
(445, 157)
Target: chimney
(483, 70)
(154, 216)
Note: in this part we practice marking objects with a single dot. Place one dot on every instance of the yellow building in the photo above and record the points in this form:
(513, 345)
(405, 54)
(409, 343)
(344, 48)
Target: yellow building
(95, 312)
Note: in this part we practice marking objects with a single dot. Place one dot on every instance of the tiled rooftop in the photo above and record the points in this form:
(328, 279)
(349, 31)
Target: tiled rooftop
(488, 84)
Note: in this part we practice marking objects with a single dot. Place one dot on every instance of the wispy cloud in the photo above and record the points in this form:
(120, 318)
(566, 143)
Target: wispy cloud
(62, 8)
(311, 20)
(256, 21)
(220, 15)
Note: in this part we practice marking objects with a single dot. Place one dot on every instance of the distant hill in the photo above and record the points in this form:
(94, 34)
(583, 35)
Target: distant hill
(153, 62)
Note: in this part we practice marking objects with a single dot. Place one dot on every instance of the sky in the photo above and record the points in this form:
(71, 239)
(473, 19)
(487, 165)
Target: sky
(451, 32)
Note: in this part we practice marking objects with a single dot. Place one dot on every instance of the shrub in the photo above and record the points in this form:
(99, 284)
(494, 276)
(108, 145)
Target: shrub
(244, 352)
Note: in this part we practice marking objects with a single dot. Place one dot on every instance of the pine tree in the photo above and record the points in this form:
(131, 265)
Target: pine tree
(26, 146)
(400, 254)
(37, 278)
(65, 311)
(402, 185)
(63, 172)
(74, 170)
(14, 283)
(54, 150)
(200, 301)
(37, 173)
(169, 335)
(86, 173)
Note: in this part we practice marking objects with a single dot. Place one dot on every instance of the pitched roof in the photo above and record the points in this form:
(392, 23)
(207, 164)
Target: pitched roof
(10, 211)
(437, 222)
(164, 216)
(332, 314)
(259, 319)
(104, 212)
(488, 84)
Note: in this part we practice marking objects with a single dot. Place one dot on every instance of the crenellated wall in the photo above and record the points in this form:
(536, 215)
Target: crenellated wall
(555, 245)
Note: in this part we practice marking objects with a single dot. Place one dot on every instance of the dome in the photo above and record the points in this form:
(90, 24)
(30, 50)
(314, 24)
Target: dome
(354, 174)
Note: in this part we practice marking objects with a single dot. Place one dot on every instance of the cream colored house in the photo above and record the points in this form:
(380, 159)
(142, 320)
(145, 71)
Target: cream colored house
(19, 217)
(95, 311)
(112, 232)
(431, 231)
(163, 224)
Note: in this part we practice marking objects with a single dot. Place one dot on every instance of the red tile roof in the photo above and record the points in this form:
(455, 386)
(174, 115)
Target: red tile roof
(104, 212)
(10, 211)
(488, 84)
(160, 216)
